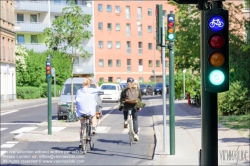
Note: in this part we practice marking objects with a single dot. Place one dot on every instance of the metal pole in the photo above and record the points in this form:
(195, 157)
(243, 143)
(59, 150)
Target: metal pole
(55, 84)
(155, 77)
(171, 98)
(49, 102)
(184, 83)
(164, 85)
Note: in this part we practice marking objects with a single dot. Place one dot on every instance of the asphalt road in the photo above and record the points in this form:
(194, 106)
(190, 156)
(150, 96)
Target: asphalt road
(111, 145)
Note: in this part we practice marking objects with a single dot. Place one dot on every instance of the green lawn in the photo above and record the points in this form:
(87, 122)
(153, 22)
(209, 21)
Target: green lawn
(235, 122)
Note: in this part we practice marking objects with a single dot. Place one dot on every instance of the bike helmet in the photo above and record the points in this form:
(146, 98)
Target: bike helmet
(131, 80)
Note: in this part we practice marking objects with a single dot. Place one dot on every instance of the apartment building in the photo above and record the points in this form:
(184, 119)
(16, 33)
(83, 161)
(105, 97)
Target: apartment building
(7, 47)
(32, 17)
(125, 44)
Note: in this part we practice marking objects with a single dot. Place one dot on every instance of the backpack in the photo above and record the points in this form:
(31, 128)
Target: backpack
(131, 95)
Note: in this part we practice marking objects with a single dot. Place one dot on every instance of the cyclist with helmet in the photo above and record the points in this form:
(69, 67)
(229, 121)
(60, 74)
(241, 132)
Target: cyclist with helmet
(135, 108)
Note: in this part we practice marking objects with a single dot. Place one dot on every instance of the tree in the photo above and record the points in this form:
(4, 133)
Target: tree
(70, 29)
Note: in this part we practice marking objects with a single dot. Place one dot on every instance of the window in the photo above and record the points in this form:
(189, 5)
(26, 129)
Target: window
(141, 79)
(117, 9)
(109, 8)
(118, 45)
(150, 63)
(110, 79)
(100, 7)
(57, 1)
(20, 17)
(3, 48)
(150, 46)
(118, 79)
(166, 63)
(101, 63)
(117, 27)
(128, 44)
(149, 12)
(109, 26)
(101, 79)
(100, 44)
(110, 63)
(164, 13)
(20, 38)
(118, 63)
(157, 63)
(33, 18)
(109, 44)
(140, 62)
(128, 65)
(127, 12)
(139, 13)
(34, 39)
(76, 61)
(149, 29)
(139, 30)
(100, 25)
(127, 29)
(56, 17)
(140, 47)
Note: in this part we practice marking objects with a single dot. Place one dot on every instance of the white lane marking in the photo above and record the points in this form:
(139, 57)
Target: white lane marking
(3, 152)
(23, 129)
(7, 145)
(17, 123)
(101, 129)
(125, 131)
(11, 142)
(3, 129)
(106, 108)
(55, 129)
(9, 112)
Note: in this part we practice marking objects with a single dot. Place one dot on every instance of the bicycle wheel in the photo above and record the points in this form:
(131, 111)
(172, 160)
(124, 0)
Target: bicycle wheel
(85, 139)
(130, 131)
(91, 139)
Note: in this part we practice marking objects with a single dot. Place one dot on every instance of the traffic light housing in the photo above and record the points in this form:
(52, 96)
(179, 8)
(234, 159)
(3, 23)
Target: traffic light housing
(158, 14)
(48, 69)
(171, 27)
(216, 50)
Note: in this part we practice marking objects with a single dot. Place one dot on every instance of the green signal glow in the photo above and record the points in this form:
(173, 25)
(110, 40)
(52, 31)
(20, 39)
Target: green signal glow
(171, 36)
(216, 77)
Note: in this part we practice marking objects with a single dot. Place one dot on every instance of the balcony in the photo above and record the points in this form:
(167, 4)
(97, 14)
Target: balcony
(57, 8)
(41, 47)
(128, 33)
(37, 6)
(139, 16)
(127, 16)
(129, 68)
(128, 50)
(82, 69)
(140, 51)
(139, 33)
(30, 26)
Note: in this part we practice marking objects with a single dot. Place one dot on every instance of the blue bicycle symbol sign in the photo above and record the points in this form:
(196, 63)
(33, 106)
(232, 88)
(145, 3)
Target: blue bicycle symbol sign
(216, 22)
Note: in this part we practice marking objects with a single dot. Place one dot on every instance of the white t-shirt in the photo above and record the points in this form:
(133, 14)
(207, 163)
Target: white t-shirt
(86, 101)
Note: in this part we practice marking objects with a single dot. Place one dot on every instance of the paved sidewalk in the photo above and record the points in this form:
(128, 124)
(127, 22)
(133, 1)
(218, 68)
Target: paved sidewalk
(188, 138)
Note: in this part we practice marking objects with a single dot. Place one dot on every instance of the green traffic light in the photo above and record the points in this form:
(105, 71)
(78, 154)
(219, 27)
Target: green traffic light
(216, 77)
(170, 36)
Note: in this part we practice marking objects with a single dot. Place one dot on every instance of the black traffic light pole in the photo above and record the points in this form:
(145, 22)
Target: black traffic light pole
(48, 77)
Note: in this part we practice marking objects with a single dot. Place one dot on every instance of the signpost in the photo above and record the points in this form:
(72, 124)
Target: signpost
(48, 77)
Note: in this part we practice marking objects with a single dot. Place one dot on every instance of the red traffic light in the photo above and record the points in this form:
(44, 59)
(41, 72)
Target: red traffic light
(216, 41)
(170, 24)
(47, 67)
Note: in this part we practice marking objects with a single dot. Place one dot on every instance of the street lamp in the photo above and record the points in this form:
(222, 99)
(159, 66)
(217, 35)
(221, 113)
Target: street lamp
(184, 71)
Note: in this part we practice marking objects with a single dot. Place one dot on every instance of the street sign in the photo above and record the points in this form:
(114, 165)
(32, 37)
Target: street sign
(53, 72)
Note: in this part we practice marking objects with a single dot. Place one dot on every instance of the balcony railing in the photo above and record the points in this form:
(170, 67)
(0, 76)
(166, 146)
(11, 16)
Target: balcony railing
(139, 33)
(82, 69)
(128, 50)
(139, 16)
(128, 33)
(30, 26)
(42, 6)
(38, 6)
(41, 47)
(127, 16)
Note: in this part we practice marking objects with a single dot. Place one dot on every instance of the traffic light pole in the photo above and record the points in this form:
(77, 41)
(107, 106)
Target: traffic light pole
(49, 100)
(164, 84)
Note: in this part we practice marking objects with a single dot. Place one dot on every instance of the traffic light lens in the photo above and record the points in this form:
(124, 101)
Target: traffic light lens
(170, 36)
(216, 23)
(216, 59)
(170, 18)
(216, 41)
(171, 24)
(47, 67)
(171, 31)
(216, 77)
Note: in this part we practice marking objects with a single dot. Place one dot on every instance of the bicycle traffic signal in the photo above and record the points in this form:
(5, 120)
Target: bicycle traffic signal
(48, 69)
(171, 27)
(158, 14)
(216, 65)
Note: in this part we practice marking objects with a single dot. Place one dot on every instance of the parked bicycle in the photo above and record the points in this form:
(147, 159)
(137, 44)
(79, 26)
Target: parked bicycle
(130, 127)
(88, 136)
(196, 100)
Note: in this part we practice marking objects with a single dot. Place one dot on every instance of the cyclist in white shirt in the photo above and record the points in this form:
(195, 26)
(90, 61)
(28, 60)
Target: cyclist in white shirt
(86, 103)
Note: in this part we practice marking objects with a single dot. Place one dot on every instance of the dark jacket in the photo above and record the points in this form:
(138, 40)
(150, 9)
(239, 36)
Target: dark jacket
(138, 105)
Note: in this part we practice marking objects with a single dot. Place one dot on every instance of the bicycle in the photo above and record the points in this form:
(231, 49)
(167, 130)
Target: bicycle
(195, 101)
(88, 136)
(131, 132)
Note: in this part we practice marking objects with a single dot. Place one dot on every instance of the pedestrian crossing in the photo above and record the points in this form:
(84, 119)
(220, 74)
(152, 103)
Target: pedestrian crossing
(99, 129)
(7, 145)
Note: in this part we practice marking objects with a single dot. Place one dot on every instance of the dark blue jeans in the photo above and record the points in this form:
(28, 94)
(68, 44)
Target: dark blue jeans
(135, 118)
